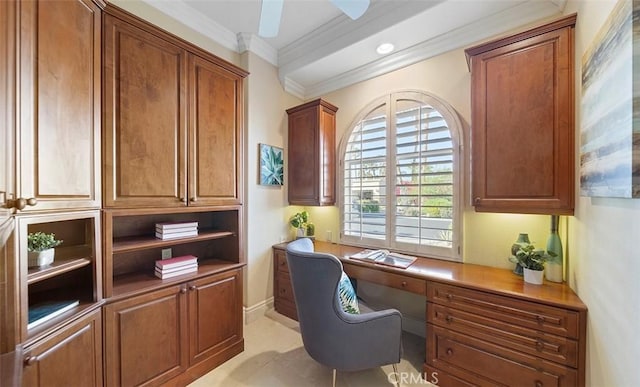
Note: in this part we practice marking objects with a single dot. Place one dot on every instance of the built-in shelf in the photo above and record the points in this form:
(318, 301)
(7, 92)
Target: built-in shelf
(45, 328)
(57, 267)
(127, 244)
(135, 283)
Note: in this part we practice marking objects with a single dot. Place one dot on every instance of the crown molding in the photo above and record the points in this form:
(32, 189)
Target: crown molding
(252, 42)
(292, 87)
(180, 11)
(463, 36)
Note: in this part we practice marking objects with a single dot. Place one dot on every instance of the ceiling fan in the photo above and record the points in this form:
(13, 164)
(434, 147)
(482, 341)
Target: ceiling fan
(272, 12)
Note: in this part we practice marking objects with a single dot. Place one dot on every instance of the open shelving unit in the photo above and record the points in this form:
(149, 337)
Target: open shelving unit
(74, 275)
(131, 248)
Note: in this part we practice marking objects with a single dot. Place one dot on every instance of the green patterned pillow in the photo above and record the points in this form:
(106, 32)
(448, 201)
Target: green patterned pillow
(347, 295)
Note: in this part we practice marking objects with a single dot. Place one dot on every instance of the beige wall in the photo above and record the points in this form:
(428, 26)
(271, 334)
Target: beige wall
(603, 252)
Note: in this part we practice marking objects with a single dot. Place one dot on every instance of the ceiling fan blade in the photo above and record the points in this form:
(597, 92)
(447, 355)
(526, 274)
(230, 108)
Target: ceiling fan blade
(352, 8)
(270, 18)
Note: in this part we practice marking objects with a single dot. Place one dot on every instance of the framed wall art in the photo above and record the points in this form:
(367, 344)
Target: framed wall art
(271, 165)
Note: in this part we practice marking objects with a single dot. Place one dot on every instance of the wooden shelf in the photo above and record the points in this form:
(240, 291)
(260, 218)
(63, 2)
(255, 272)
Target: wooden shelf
(127, 244)
(131, 284)
(34, 334)
(56, 268)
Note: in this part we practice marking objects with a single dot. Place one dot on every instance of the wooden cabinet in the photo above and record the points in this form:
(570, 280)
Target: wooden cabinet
(312, 146)
(173, 120)
(522, 121)
(53, 104)
(284, 302)
(196, 324)
(72, 356)
(525, 343)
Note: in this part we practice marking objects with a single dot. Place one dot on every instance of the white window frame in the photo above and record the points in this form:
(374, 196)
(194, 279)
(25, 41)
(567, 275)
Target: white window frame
(456, 128)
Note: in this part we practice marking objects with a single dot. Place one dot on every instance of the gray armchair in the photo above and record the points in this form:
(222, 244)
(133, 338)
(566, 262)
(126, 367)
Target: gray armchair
(338, 340)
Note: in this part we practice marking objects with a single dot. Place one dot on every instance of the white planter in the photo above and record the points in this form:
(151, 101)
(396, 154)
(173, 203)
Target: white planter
(41, 258)
(533, 276)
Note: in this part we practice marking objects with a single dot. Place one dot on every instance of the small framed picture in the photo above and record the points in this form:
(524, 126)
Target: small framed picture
(271, 165)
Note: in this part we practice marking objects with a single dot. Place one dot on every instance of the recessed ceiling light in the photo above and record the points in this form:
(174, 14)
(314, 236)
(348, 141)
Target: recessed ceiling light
(385, 48)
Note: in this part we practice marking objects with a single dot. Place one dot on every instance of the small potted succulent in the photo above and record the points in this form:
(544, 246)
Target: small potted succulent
(532, 261)
(41, 248)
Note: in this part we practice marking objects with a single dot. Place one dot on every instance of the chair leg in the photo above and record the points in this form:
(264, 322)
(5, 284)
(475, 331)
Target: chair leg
(397, 375)
(334, 377)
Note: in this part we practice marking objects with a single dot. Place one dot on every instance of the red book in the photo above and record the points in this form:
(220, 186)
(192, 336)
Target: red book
(184, 260)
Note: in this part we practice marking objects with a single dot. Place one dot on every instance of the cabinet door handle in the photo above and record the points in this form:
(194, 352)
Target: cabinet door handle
(30, 360)
(476, 201)
(20, 203)
(193, 199)
(183, 289)
(404, 284)
(539, 345)
(193, 287)
(449, 296)
(449, 351)
(540, 319)
(538, 383)
(449, 319)
(183, 200)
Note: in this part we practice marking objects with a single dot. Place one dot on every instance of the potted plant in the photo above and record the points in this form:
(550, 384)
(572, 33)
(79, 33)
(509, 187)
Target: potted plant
(532, 261)
(41, 248)
(300, 222)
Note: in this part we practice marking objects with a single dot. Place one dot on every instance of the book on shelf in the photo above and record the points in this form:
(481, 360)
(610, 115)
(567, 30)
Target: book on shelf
(185, 270)
(178, 268)
(174, 262)
(384, 257)
(43, 312)
(176, 230)
(176, 235)
(164, 226)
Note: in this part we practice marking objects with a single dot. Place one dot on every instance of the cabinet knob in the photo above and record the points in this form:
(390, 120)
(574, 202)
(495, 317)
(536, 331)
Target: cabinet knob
(183, 200)
(193, 287)
(449, 319)
(449, 296)
(193, 199)
(540, 319)
(538, 383)
(183, 290)
(449, 351)
(476, 200)
(20, 203)
(404, 284)
(30, 360)
(539, 345)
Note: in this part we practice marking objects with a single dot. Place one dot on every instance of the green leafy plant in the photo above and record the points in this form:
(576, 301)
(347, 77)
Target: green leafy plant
(530, 258)
(39, 241)
(300, 220)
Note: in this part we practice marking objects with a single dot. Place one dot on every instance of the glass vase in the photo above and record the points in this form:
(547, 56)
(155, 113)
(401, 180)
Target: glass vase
(554, 266)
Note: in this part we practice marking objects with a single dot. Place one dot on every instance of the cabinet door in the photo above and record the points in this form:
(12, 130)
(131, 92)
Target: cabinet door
(7, 100)
(144, 338)
(71, 357)
(59, 104)
(144, 138)
(522, 126)
(312, 154)
(215, 312)
(215, 127)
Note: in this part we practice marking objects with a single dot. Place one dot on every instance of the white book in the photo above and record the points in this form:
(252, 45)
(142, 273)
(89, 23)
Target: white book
(163, 275)
(176, 235)
(173, 225)
(178, 268)
(176, 230)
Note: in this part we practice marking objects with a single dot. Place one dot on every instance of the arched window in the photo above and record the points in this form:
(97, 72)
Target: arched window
(401, 175)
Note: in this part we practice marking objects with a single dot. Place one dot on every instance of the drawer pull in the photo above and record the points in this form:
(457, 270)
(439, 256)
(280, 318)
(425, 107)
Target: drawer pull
(193, 287)
(449, 319)
(404, 284)
(540, 319)
(449, 296)
(538, 383)
(282, 263)
(449, 351)
(539, 345)
(30, 360)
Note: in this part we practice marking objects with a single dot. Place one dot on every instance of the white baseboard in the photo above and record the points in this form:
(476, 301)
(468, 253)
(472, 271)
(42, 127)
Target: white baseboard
(254, 312)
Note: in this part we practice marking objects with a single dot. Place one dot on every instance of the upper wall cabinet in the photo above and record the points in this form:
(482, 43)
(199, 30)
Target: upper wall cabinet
(51, 100)
(172, 120)
(312, 144)
(522, 121)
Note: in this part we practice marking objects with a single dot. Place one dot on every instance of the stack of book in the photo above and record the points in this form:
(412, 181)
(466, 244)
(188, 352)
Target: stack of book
(172, 267)
(172, 230)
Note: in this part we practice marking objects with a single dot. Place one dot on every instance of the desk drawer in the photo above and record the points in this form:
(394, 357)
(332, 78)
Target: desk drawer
(464, 355)
(526, 340)
(384, 278)
(527, 314)
(284, 289)
(281, 261)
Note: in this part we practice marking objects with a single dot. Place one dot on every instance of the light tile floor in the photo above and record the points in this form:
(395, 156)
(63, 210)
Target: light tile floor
(274, 356)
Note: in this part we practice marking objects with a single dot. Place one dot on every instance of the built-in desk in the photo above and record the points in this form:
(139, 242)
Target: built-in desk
(484, 325)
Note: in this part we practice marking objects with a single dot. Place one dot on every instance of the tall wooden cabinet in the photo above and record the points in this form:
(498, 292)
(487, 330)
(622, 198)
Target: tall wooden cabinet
(312, 146)
(522, 121)
(57, 106)
(173, 118)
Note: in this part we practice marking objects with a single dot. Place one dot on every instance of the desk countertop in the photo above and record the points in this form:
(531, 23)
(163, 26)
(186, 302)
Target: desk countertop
(485, 278)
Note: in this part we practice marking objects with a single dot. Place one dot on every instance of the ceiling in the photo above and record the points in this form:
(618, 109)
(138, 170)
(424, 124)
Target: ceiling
(318, 49)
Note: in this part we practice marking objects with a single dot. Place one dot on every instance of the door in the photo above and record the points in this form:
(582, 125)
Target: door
(215, 313)
(215, 123)
(7, 101)
(144, 338)
(144, 163)
(58, 160)
(70, 357)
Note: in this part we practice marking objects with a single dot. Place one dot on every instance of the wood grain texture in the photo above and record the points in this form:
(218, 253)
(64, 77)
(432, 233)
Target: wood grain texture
(522, 122)
(312, 168)
(59, 120)
(7, 101)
